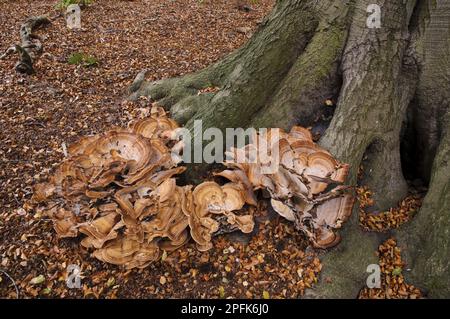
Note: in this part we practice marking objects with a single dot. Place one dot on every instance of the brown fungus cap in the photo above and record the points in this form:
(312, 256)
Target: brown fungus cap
(118, 189)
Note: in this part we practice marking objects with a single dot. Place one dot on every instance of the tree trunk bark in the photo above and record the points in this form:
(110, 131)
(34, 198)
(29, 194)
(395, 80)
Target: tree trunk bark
(374, 96)
(307, 51)
(426, 240)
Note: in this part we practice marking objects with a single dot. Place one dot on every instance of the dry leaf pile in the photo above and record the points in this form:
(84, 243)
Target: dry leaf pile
(393, 283)
(391, 219)
(118, 189)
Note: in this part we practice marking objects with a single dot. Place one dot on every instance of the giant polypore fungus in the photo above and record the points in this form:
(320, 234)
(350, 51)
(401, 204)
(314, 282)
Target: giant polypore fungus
(207, 206)
(298, 187)
(118, 189)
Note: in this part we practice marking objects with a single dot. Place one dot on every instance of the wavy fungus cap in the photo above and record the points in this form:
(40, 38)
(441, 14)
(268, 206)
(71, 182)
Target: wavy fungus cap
(118, 189)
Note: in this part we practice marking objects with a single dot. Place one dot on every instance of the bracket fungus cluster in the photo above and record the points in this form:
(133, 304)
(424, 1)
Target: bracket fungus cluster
(212, 208)
(119, 190)
(306, 187)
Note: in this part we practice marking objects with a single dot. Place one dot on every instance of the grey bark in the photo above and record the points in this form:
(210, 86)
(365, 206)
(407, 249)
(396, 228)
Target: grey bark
(426, 240)
(374, 96)
(432, 97)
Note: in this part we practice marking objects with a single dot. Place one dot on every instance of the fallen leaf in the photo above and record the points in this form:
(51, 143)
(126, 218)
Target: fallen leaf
(37, 280)
(221, 292)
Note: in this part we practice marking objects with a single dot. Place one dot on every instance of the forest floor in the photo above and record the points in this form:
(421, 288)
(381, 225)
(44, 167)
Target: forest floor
(62, 102)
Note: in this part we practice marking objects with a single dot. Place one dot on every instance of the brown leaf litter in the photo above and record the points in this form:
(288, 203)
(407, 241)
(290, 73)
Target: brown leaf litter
(393, 285)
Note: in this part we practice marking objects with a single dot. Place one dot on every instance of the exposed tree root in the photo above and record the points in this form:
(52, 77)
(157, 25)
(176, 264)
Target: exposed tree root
(247, 78)
(313, 78)
(30, 45)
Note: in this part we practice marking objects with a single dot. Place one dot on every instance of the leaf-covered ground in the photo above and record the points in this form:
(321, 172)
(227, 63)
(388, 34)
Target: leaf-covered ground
(62, 102)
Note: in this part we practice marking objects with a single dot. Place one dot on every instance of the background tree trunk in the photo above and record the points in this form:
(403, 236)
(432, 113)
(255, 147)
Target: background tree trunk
(427, 239)
(385, 80)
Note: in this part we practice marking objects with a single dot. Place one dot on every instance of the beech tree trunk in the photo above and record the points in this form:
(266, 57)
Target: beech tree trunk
(392, 89)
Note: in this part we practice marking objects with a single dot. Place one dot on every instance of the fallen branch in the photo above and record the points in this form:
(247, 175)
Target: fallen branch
(30, 46)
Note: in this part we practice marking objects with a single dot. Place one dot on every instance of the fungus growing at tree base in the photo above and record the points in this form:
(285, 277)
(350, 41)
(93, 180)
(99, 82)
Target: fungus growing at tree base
(119, 190)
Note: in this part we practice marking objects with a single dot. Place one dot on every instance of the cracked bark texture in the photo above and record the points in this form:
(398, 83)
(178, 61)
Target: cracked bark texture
(386, 79)
(426, 240)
